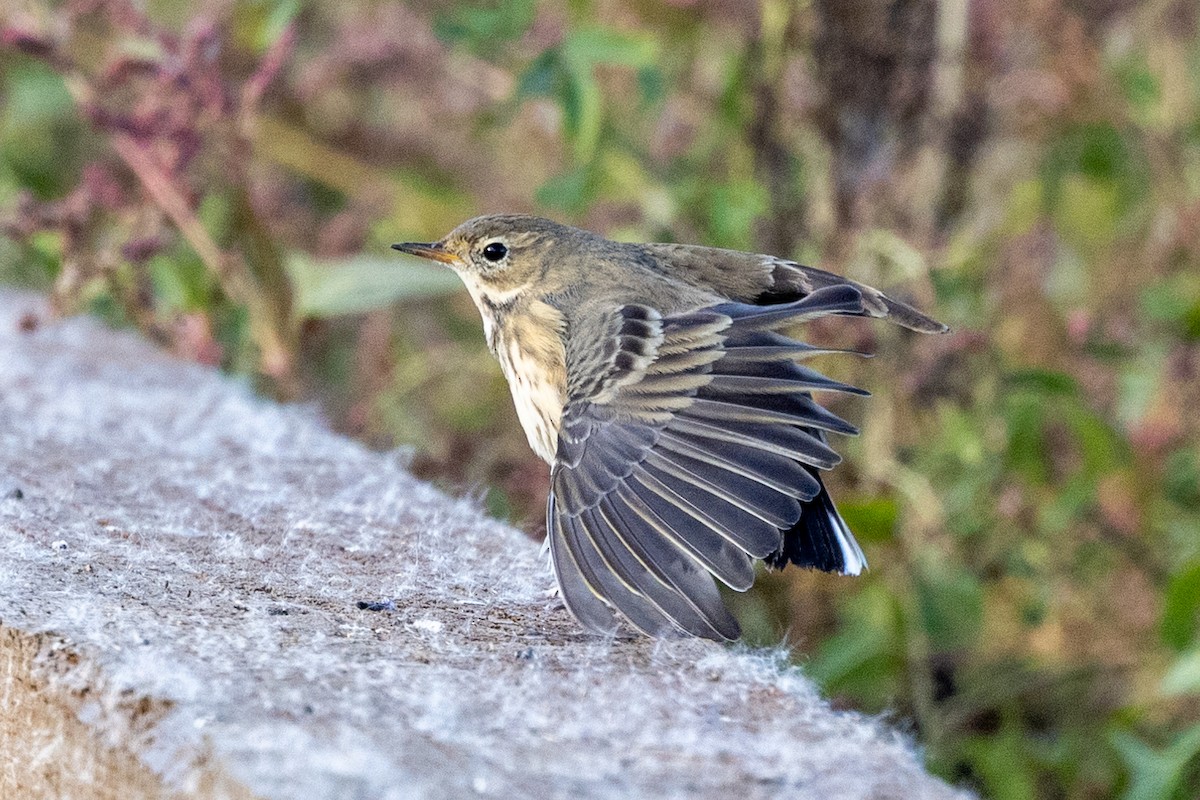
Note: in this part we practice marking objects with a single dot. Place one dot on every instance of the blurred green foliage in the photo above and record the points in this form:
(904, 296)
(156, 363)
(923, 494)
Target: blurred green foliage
(227, 176)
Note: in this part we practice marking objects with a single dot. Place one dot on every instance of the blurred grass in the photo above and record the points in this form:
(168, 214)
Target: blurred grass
(1027, 489)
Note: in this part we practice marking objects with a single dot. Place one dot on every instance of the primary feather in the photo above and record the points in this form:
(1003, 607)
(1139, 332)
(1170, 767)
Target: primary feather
(719, 479)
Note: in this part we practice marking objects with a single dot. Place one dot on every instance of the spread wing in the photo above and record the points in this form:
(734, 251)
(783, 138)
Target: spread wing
(688, 452)
(759, 279)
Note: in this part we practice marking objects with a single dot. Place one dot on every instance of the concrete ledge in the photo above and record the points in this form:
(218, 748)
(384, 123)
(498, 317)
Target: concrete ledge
(181, 565)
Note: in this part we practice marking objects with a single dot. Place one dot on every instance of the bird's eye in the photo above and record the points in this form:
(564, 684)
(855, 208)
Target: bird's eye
(494, 251)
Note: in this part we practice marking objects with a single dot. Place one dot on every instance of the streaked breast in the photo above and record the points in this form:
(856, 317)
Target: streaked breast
(528, 344)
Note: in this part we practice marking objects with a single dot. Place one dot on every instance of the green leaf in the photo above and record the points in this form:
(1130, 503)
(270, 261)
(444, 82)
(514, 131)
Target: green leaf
(1043, 381)
(1068, 503)
(1184, 675)
(1094, 174)
(1102, 449)
(950, 601)
(589, 46)
(732, 210)
(1033, 399)
(1025, 418)
(1181, 479)
(1179, 623)
(1142, 89)
(570, 192)
(1156, 774)
(40, 132)
(1139, 382)
(357, 285)
(583, 111)
(1004, 764)
(1176, 302)
(258, 24)
(181, 281)
(872, 519)
(864, 653)
(652, 84)
(1103, 152)
(485, 28)
(543, 76)
(581, 98)
(1088, 209)
(281, 15)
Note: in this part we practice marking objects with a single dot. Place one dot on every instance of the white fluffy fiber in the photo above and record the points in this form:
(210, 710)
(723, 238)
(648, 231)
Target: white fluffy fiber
(201, 546)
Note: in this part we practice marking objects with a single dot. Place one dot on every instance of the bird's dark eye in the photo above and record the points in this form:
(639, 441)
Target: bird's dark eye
(495, 251)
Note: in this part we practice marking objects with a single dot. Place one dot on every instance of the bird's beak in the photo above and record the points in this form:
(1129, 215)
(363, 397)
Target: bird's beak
(434, 251)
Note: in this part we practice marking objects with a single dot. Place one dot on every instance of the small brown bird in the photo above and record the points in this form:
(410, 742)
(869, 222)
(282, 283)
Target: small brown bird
(681, 434)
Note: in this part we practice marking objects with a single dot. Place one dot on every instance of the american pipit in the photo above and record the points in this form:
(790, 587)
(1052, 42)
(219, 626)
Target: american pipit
(681, 433)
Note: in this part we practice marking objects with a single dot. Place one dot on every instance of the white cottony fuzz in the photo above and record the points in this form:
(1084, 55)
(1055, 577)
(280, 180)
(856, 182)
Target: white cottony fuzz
(429, 625)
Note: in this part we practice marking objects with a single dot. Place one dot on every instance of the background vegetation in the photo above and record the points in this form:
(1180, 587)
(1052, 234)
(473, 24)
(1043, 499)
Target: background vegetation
(226, 175)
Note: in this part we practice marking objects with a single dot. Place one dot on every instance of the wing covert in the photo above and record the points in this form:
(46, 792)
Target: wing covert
(763, 279)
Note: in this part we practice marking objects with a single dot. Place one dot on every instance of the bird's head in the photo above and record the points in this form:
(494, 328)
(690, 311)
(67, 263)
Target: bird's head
(498, 256)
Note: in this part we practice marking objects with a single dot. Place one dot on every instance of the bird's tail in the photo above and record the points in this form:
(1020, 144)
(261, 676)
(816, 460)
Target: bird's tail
(820, 539)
